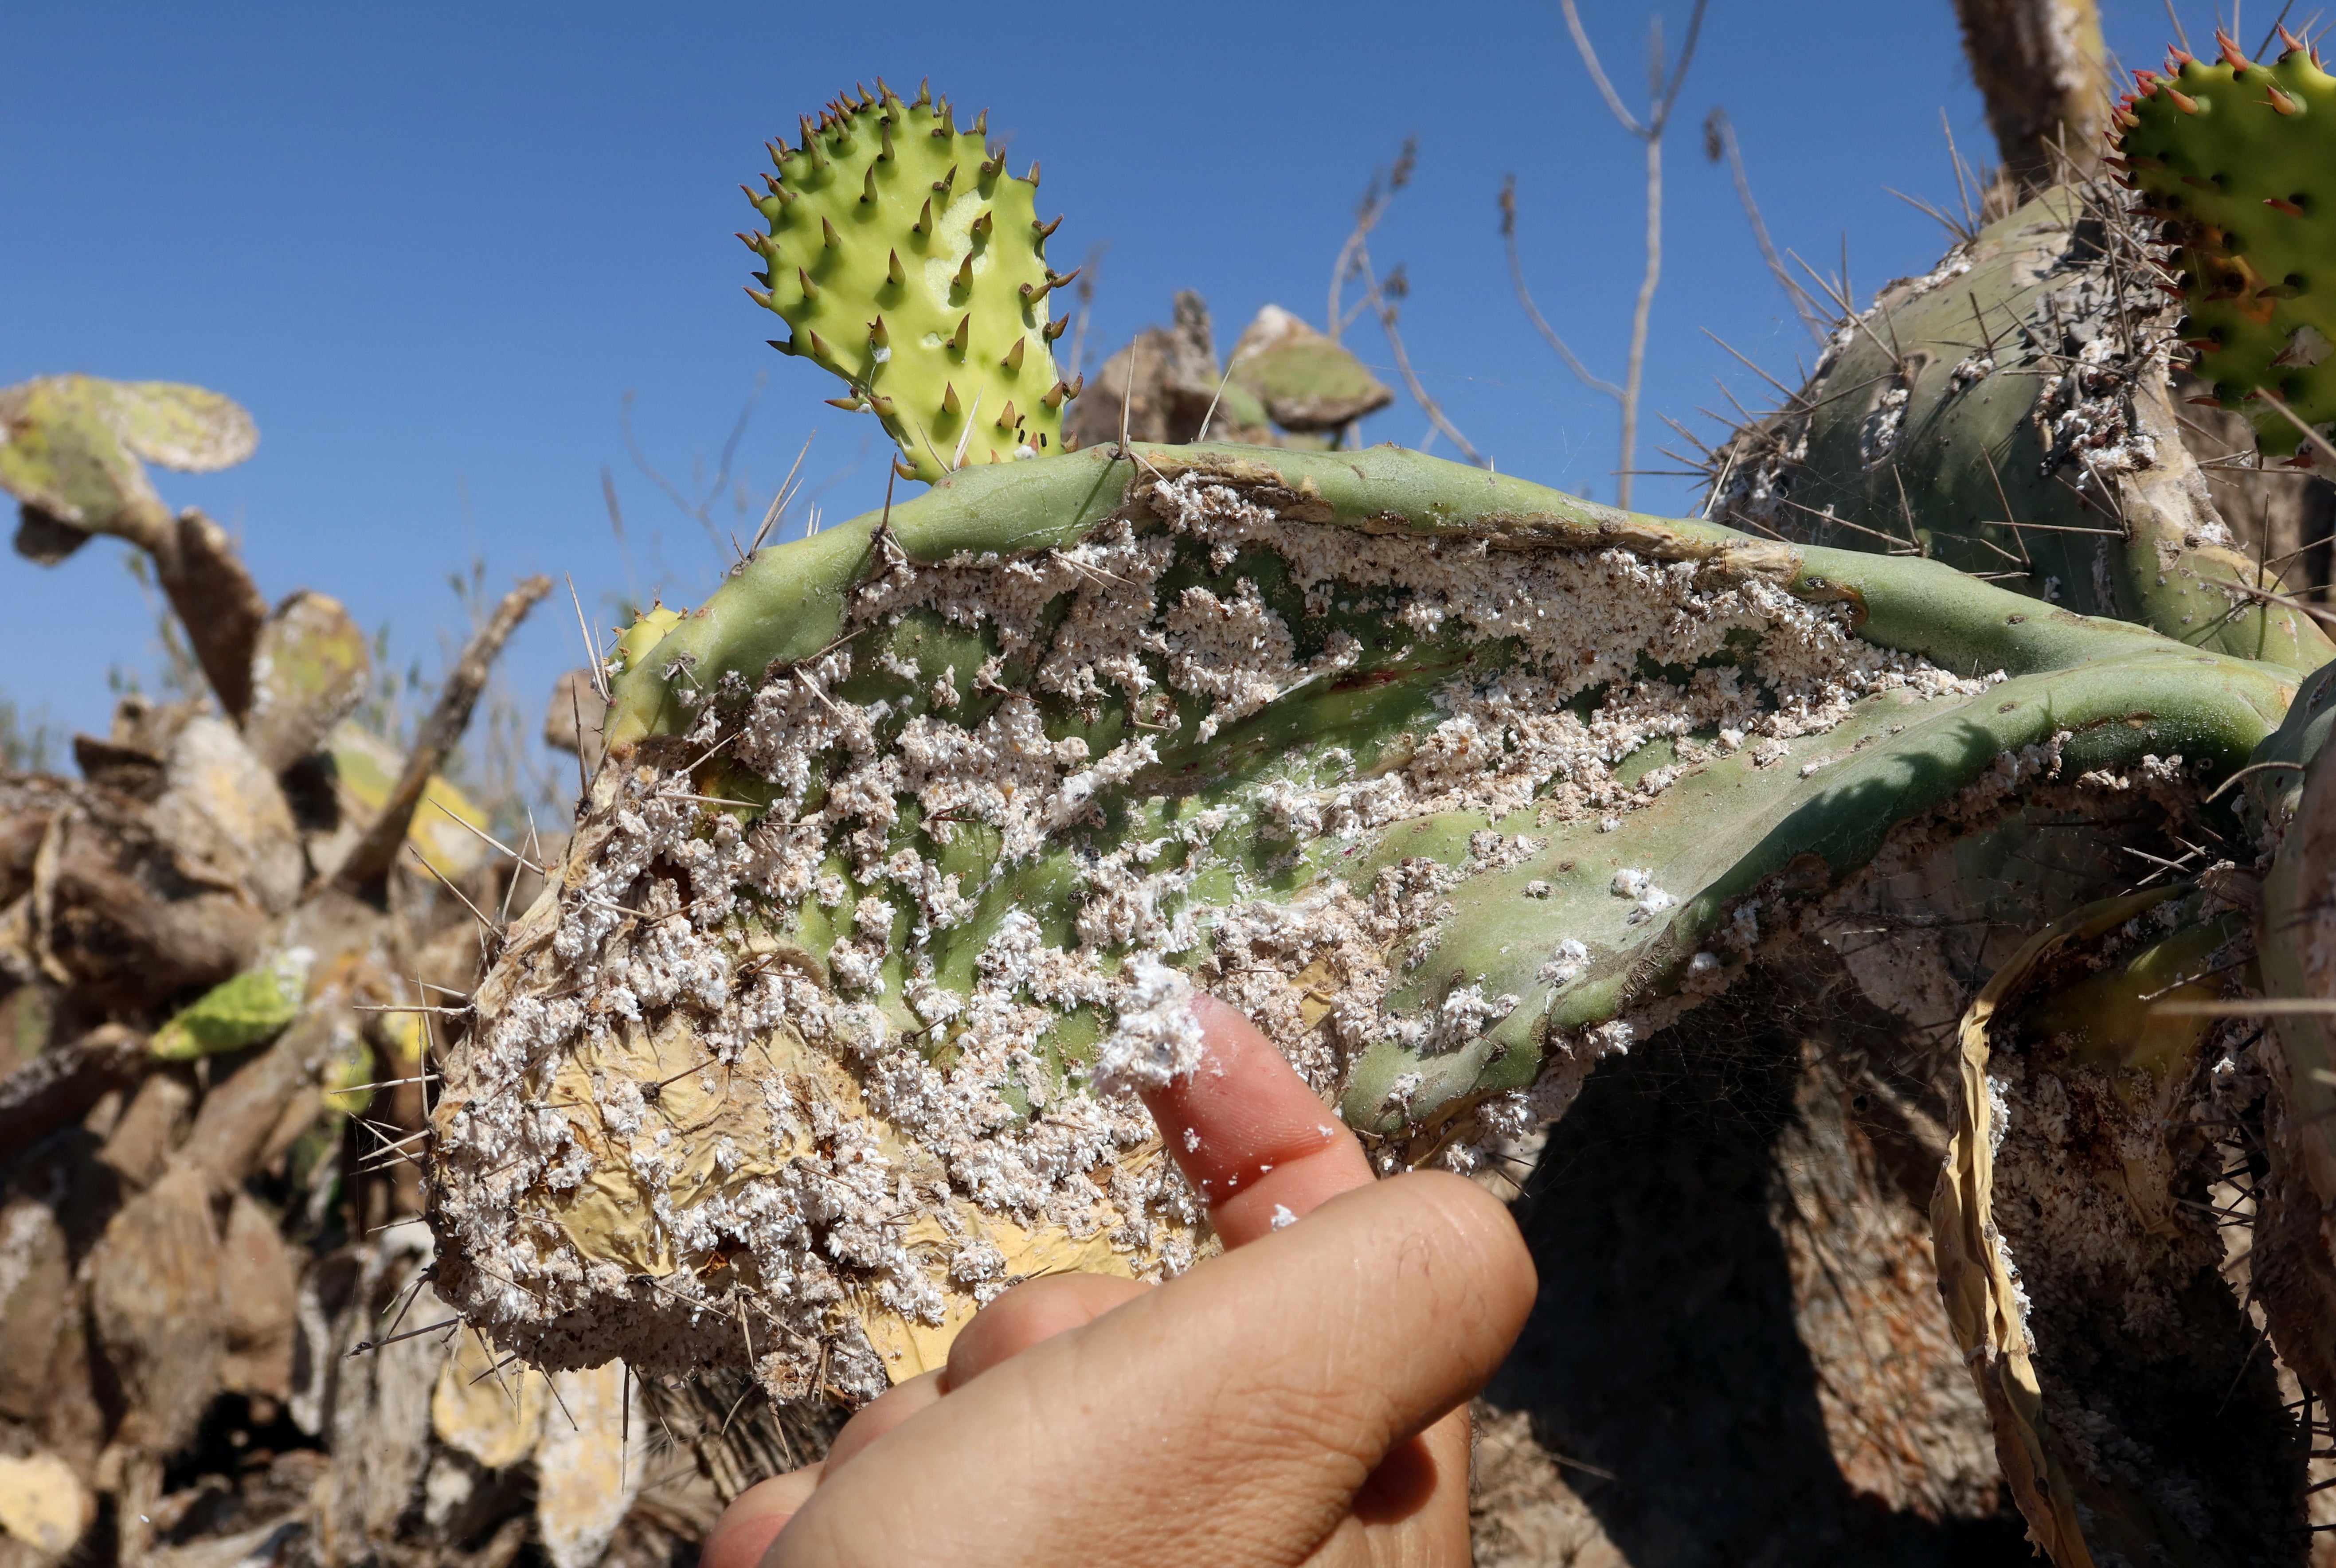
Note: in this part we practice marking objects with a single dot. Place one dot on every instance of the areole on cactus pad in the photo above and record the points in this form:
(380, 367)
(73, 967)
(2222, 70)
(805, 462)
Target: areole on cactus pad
(914, 836)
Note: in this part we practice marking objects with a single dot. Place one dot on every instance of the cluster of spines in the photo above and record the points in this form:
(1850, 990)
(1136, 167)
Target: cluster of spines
(2214, 179)
(834, 139)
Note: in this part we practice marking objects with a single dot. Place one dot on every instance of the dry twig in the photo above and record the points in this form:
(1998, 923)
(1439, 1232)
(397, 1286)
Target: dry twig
(1719, 141)
(370, 860)
(1663, 88)
(1354, 264)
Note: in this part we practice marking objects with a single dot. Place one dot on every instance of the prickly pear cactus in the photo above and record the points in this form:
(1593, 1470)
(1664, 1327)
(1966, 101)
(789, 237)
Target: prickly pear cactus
(2010, 413)
(2235, 157)
(308, 671)
(1300, 379)
(910, 263)
(913, 838)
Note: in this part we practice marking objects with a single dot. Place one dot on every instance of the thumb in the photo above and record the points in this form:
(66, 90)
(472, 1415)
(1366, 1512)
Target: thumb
(1270, 1382)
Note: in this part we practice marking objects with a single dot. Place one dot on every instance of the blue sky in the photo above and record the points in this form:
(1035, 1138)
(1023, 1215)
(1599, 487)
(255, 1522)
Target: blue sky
(433, 248)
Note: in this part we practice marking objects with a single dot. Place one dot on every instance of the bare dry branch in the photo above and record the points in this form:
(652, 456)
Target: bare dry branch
(370, 860)
(1525, 299)
(1368, 212)
(1663, 88)
(1719, 141)
(1428, 405)
(2041, 67)
(1087, 292)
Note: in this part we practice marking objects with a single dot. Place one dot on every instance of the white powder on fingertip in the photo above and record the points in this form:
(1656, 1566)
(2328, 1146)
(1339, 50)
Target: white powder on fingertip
(1282, 1218)
(1158, 1037)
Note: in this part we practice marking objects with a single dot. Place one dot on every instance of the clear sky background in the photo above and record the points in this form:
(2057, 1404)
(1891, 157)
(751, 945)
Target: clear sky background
(433, 247)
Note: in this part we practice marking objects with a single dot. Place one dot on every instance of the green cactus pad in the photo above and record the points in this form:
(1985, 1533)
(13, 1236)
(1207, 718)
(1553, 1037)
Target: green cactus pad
(2240, 159)
(1309, 384)
(910, 263)
(69, 446)
(1452, 782)
(2009, 415)
(247, 1009)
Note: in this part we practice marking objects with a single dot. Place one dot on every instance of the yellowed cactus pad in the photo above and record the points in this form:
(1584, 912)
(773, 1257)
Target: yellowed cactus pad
(366, 766)
(492, 1414)
(70, 444)
(678, 1162)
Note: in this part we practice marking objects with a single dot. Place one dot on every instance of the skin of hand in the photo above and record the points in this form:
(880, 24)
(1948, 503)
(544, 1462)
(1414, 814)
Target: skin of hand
(1299, 1400)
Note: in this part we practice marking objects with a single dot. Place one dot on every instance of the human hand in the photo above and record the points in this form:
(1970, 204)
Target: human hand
(1300, 1399)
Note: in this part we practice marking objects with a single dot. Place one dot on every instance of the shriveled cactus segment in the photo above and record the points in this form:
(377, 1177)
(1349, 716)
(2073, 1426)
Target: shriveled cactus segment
(2238, 156)
(2295, 1234)
(913, 836)
(2079, 1253)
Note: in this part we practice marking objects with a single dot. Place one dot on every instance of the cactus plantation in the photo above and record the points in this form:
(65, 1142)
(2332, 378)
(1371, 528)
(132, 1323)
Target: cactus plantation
(1906, 882)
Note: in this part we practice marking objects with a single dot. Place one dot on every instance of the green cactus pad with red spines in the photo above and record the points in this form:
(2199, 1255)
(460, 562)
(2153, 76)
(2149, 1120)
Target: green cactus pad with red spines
(910, 264)
(2240, 159)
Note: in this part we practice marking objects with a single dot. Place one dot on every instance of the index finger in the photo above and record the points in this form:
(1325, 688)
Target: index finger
(1249, 1134)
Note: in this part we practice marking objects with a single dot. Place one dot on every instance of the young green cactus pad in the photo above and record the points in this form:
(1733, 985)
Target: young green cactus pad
(913, 837)
(910, 263)
(2237, 157)
(2079, 1251)
(2008, 414)
(253, 1007)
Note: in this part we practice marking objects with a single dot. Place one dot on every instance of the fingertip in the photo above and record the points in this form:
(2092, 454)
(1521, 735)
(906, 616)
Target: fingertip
(1250, 1134)
(890, 1409)
(741, 1536)
(1029, 1314)
(1502, 1262)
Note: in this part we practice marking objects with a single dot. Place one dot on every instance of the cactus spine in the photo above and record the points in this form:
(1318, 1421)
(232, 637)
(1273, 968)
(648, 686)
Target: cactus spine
(910, 264)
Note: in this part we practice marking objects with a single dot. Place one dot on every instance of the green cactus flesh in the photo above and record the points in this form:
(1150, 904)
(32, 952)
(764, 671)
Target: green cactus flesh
(915, 833)
(246, 1009)
(910, 263)
(2009, 415)
(1307, 383)
(2239, 159)
(646, 630)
